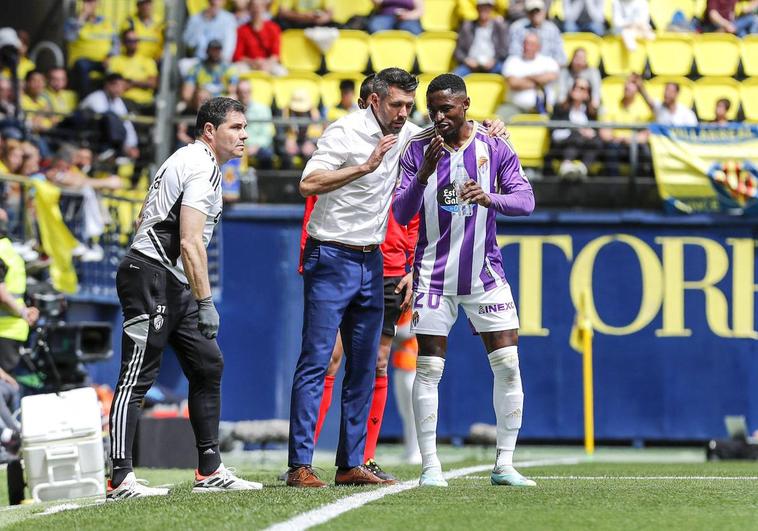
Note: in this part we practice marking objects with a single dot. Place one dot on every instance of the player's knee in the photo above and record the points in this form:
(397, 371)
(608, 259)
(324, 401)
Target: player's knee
(505, 365)
(429, 369)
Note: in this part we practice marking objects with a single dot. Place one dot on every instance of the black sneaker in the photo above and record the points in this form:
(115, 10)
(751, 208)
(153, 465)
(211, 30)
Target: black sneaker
(374, 467)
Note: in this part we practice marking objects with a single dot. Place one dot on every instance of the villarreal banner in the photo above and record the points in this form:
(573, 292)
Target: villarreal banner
(706, 168)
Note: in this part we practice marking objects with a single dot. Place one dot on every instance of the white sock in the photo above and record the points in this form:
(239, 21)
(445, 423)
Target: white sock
(5, 435)
(402, 383)
(425, 400)
(508, 399)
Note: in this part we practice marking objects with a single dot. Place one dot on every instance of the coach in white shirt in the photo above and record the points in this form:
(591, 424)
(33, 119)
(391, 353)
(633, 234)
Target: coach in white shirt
(670, 112)
(108, 101)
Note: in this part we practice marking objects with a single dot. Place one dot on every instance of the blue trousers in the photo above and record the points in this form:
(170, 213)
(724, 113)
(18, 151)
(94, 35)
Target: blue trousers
(343, 290)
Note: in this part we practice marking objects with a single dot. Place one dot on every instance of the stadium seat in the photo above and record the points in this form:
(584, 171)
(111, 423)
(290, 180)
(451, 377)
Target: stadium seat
(656, 86)
(486, 92)
(589, 41)
(618, 60)
(708, 91)
(670, 54)
(555, 11)
(466, 9)
(392, 48)
(439, 15)
(349, 53)
(716, 54)
(749, 97)
(284, 86)
(434, 50)
(423, 84)
(330, 86)
(750, 55)
(531, 141)
(298, 53)
(664, 10)
(262, 86)
(344, 10)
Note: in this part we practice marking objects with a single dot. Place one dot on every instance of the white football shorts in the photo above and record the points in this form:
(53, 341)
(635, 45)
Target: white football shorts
(491, 311)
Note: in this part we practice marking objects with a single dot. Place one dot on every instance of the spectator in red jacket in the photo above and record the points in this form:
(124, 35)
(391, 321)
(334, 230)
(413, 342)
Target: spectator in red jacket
(259, 41)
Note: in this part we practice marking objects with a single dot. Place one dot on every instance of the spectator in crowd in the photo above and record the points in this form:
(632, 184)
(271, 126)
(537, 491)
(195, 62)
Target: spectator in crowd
(720, 15)
(62, 100)
(213, 74)
(628, 111)
(584, 15)
(304, 14)
(91, 39)
(25, 65)
(139, 71)
(212, 24)
(185, 128)
(11, 157)
(118, 133)
(34, 103)
(517, 9)
(397, 14)
(7, 100)
(530, 78)
(347, 103)
(669, 112)
(482, 43)
(300, 140)
(147, 29)
(31, 161)
(259, 41)
(722, 109)
(549, 34)
(260, 130)
(579, 69)
(467, 9)
(241, 11)
(576, 148)
(631, 20)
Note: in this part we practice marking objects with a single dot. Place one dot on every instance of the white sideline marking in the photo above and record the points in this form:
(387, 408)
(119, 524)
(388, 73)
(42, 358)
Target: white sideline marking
(636, 478)
(332, 510)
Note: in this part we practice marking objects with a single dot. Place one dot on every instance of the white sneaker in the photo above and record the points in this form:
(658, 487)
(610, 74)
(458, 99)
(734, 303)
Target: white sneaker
(222, 480)
(132, 487)
(507, 475)
(432, 478)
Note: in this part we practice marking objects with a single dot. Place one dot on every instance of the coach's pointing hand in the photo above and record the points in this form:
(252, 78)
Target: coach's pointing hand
(385, 144)
(207, 318)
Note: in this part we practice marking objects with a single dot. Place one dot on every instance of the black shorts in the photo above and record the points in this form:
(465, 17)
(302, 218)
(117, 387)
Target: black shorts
(392, 302)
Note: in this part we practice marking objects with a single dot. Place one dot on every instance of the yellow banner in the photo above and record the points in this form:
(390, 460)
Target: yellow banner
(707, 169)
(57, 241)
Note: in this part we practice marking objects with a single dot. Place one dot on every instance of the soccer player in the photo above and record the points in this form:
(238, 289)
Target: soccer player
(165, 296)
(458, 262)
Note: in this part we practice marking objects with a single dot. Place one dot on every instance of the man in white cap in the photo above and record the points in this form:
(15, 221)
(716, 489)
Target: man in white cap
(536, 21)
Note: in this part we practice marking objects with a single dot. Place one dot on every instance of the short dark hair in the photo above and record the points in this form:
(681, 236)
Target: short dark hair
(32, 73)
(451, 82)
(725, 102)
(394, 77)
(113, 76)
(214, 111)
(675, 85)
(347, 85)
(367, 87)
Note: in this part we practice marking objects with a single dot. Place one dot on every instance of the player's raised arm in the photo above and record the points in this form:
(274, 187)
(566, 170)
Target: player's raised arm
(410, 193)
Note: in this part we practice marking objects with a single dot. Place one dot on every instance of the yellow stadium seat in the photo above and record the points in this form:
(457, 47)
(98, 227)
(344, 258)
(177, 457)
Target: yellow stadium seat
(750, 55)
(618, 60)
(299, 54)
(709, 90)
(195, 6)
(423, 84)
(466, 9)
(392, 48)
(262, 86)
(749, 97)
(657, 85)
(716, 54)
(663, 11)
(611, 93)
(349, 53)
(486, 91)
(531, 141)
(435, 51)
(330, 86)
(344, 10)
(670, 54)
(556, 10)
(589, 41)
(285, 86)
(439, 15)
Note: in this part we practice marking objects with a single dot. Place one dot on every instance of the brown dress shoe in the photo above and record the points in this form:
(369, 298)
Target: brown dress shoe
(303, 476)
(359, 475)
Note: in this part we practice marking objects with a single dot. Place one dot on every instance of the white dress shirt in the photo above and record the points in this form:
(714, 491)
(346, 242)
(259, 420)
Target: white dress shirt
(357, 213)
(680, 116)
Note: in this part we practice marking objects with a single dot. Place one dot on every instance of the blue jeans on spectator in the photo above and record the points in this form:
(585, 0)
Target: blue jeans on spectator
(80, 76)
(745, 25)
(463, 70)
(388, 22)
(571, 26)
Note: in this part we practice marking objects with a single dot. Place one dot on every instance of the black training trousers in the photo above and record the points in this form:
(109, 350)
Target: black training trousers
(160, 310)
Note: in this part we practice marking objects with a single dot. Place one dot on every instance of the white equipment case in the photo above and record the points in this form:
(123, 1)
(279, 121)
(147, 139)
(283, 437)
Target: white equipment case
(62, 445)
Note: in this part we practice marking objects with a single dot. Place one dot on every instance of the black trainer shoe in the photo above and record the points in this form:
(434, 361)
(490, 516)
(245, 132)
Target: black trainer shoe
(374, 467)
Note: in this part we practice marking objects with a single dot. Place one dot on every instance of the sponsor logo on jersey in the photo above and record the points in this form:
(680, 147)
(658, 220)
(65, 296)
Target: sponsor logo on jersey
(158, 322)
(414, 318)
(496, 308)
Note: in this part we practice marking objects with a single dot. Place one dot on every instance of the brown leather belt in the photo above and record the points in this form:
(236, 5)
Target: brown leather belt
(360, 248)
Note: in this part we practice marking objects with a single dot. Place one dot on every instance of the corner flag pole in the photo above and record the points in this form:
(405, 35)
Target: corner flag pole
(585, 328)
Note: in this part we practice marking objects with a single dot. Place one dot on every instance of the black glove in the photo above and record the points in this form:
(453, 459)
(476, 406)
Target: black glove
(207, 318)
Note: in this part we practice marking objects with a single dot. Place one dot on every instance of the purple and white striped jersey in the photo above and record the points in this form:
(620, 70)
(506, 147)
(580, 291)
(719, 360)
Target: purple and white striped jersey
(459, 255)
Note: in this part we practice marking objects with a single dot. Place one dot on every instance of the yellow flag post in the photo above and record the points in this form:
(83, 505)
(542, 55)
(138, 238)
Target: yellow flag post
(581, 340)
